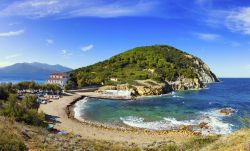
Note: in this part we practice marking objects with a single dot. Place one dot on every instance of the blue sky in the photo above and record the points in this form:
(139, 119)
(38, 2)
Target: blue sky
(77, 33)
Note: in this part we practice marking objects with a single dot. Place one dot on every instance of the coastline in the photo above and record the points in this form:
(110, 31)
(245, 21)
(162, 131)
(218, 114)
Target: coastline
(62, 110)
(200, 126)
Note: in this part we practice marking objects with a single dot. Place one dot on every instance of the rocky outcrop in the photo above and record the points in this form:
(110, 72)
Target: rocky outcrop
(187, 84)
(147, 91)
(150, 87)
(205, 75)
(227, 111)
(141, 88)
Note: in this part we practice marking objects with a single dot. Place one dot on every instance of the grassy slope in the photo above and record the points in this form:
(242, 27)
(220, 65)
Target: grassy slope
(239, 140)
(37, 138)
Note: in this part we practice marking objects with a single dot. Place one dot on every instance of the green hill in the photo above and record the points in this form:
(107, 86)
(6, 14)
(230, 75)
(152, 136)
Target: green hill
(160, 63)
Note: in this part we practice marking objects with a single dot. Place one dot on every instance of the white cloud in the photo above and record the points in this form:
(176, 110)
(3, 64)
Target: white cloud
(11, 33)
(114, 10)
(77, 8)
(239, 20)
(13, 56)
(216, 17)
(50, 41)
(32, 8)
(208, 36)
(43, 3)
(236, 20)
(66, 53)
(87, 48)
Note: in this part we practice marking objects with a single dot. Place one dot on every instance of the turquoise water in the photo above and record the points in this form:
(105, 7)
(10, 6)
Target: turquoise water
(180, 108)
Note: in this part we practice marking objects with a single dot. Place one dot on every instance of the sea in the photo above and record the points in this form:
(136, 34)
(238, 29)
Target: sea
(173, 110)
(17, 80)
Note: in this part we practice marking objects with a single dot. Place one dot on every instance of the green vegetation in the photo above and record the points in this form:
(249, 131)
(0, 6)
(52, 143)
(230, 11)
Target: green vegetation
(9, 88)
(19, 136)
(23, 110)
(199, 142)
(22, 128)
(37, 138)
(10, 141)
(31, 85)
(5, 90)
(159, 63)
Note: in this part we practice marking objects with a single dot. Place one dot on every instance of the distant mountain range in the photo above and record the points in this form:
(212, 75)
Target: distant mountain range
(30, 71)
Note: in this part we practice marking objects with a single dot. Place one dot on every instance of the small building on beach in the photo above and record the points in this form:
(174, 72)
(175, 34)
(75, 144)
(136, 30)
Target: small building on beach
(113, 79)
(58, 78)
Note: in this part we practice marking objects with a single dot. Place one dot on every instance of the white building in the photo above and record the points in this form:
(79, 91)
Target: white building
(114, 79)
(58, 78)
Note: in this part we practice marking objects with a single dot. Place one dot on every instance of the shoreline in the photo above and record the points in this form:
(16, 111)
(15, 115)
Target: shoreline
(65, 120)
(71, 114)
(195, 129)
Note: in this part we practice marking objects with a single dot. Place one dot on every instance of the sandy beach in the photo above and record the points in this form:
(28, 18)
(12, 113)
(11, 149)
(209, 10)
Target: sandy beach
(58, 109)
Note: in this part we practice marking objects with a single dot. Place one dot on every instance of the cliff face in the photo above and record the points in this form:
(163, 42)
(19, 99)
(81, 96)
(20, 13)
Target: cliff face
(149, 70)
(204, 76)
(203, 71)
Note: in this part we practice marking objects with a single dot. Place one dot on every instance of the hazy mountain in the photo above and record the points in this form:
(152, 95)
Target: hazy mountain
(32, 71)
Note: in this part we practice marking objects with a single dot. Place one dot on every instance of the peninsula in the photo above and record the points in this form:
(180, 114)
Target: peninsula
(144, 71)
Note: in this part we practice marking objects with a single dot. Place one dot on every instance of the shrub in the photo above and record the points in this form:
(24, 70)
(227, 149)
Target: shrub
(32, 117)
(3, 93)
(29, 102)
(25, 111)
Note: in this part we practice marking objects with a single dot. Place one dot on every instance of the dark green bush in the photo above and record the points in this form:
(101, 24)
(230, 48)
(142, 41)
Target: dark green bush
(24, 110)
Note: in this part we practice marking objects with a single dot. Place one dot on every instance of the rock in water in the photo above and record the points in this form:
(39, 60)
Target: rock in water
(227, 111)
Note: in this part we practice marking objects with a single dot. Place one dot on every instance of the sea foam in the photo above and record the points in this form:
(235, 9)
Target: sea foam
(79, 107)
(213, 118)
(215, 122)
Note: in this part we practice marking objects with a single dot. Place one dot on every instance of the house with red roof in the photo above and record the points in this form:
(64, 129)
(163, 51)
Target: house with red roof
(58, 78)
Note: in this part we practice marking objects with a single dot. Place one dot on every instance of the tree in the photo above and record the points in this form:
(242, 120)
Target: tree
(11, 107)
(29, 102)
